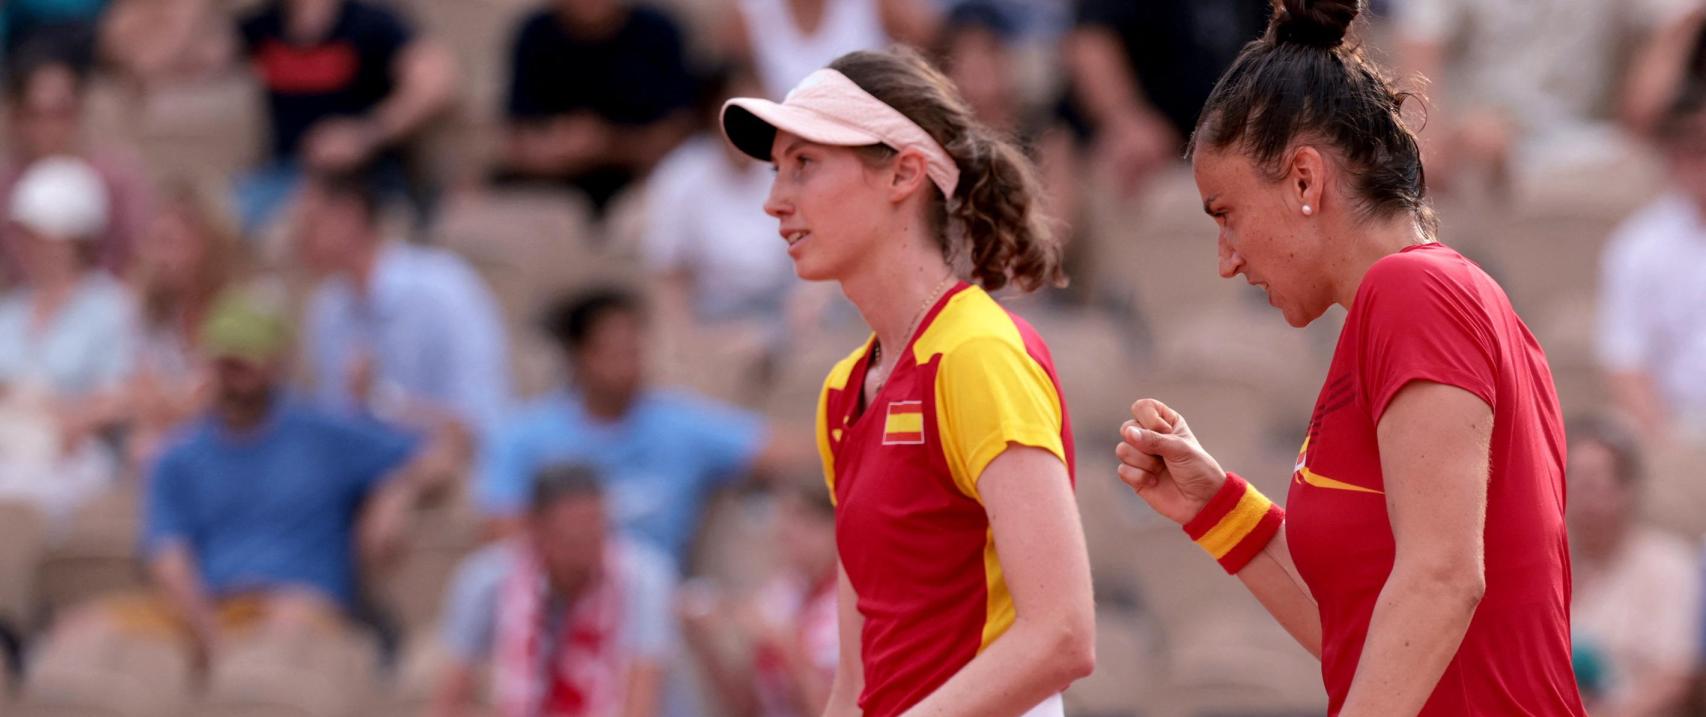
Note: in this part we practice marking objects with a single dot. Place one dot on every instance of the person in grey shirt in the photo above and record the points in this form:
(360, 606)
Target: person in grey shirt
(568, 620)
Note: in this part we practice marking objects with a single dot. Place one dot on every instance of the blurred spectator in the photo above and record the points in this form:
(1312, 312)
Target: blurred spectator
(977, 55)
(789, 39)
(191, 254)
(789, 626)
(1519, 87)
(257, 513)
(347, 82)
(45, 118)
(398, 330)
(66, 335)
(707, 237)
(1139, 73)
(609, 418)
(570, 620)
(1637, 595)
(158, 42)
(68, 26)
(1652, 331)
(599, 92)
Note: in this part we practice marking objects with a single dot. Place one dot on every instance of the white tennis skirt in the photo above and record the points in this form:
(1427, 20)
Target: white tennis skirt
(1050, 707)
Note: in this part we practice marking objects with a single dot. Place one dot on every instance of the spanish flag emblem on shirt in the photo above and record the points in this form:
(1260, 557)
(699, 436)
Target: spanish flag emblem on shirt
(904, 425)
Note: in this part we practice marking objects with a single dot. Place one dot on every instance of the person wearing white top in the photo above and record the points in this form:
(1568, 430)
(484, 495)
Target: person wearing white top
(789, 39)
(1652, 330)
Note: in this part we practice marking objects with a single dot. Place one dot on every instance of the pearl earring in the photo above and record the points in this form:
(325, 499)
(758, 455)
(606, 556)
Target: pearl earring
(1308, 210)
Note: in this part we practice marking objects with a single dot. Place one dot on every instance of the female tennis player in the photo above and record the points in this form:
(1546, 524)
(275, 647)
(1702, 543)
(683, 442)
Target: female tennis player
(965, 587)
(1423, 555)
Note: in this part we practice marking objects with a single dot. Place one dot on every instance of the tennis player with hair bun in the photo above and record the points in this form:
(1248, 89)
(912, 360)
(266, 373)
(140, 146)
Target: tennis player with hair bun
(964, 584)
(1421, 553)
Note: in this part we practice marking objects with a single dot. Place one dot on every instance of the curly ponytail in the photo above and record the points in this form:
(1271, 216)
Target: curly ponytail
(995, 214)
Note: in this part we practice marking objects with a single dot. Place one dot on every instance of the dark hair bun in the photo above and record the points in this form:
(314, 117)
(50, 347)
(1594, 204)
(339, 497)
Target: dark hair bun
(1316, 23)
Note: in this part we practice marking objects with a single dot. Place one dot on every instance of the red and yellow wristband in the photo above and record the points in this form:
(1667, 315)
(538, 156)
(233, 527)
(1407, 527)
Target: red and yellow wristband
(1236, 525)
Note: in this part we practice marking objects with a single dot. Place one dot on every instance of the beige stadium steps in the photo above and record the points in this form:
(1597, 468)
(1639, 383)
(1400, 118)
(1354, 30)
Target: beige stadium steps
(736, 546)
(21, 546)
(102, 675)
(97, 554)
(527, 244)
(1674, 496)
(212, 130)
(440, 537)
(294, 676)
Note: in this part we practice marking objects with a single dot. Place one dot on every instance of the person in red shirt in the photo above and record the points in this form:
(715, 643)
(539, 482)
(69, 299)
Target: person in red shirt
(964, 582)
(1422, 553)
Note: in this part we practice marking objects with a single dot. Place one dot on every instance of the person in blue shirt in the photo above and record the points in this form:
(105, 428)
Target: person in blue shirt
(394, 330)
(260, 515)
(663, 453)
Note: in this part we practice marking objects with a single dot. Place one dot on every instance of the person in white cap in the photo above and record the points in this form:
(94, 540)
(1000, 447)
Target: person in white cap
(67, 337)
(964, 586)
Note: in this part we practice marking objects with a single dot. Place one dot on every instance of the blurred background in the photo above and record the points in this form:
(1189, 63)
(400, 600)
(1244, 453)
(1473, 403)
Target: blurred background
(316, 312)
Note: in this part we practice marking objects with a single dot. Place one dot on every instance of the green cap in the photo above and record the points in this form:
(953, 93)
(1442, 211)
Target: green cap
(245, 325)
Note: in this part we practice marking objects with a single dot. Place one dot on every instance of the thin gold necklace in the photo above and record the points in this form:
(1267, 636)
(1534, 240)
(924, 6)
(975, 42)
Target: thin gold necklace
(918, 316)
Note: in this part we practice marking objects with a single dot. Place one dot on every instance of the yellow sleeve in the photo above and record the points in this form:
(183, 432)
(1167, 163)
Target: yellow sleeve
(825, 452)
(990, 393)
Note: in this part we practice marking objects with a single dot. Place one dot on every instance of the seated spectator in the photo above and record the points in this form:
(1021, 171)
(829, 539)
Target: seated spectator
(976, 54)
(191, 255)
(1518, 88)
(1637, 593)
(609, 418)
(789, 626)
(707, 238)
(45, 118)
(396, 330)
(789, 39)
(1652, 332)
(153, 43)
(1139, 72)
(256, 514)
(595, 130)
(68, 334)
(347, 83)
(66, 25)
(569, 621)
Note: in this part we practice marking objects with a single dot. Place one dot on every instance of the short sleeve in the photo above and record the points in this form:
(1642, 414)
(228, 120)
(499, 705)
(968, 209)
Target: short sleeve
(384, 33)
(1623, 336)
(528, 99)
(1419, 323)
(167, 509)
(650, 620)
(505, 472)
(990, 393)
(469, 624)
(372, 451)
(723, 439)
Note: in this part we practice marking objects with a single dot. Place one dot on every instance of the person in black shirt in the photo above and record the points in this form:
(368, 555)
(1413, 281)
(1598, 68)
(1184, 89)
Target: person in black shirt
(346, 81)
(599, 92)
(1141, 71)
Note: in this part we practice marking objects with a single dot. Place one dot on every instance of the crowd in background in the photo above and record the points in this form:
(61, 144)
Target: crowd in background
(439, 353)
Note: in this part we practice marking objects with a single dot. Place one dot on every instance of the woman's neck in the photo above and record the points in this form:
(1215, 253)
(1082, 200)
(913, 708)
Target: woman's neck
(1372, 243)
(892, 295)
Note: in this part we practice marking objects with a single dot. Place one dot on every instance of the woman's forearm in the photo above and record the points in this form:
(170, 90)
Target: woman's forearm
(1030, 663)
(1273, 579)
(1418, 623)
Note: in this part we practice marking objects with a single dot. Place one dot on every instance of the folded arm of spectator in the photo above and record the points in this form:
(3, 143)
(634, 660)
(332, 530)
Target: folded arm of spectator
(1132, 136)
(385, 520)
(425, 76)
(1659, 70)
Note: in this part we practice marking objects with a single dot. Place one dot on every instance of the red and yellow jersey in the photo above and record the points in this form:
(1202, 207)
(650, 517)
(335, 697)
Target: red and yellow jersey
(913, 534)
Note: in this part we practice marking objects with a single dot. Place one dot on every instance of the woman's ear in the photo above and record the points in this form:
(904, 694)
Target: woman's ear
(908, 175)
(1306, 180)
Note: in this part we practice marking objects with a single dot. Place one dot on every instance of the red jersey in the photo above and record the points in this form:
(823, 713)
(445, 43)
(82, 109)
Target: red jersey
(911, 528)
(1429, 314)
